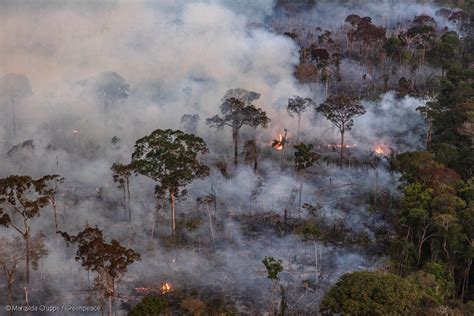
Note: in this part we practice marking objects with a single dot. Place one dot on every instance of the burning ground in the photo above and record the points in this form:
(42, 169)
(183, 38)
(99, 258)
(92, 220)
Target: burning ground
(133, 67)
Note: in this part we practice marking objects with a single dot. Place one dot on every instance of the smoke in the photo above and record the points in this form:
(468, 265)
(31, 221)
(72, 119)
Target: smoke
(181, 57)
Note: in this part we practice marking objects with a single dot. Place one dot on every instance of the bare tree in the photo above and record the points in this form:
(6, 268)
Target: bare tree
(121, 176)
(15, 87)
(11, 255)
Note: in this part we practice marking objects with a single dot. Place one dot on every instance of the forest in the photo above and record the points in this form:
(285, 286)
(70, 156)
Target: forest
(237, 157)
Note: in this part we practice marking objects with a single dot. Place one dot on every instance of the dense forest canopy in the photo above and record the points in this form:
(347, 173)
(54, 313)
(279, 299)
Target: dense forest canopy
(277, 157)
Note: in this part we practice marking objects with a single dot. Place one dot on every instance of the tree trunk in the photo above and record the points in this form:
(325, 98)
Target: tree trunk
(173, 213)
(9, 279)
(342, 147)
(110, 305)
(210, 222)
(299, 199)
(124, 203)
(27, 259)
(53, 205)
(129, 205)
(298, 132)
(13, 118)
(235, 137)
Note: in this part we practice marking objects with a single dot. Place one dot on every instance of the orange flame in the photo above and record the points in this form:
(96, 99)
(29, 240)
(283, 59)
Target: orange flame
(280, 143)
(166, 288)
(381, 150)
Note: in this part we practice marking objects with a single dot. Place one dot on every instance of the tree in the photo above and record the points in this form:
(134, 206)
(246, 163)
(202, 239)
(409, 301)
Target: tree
(372, 293)
(305, 158)
(110, 88)
(251, 153)
(15, 87)
(149, 306)
(189, 122)
(22, 197)
(237, 111)
(11, 255)
(48, 185)
(170, 157)
(341, 110)
(297, 106)
(109, 260)
(274, 267)
(121, 176)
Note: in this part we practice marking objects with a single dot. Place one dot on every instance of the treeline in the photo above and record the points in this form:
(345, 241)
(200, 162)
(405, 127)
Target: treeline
(430, 272)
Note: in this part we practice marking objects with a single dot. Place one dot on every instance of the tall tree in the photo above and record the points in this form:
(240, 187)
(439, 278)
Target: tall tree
(170, 157)
(21, 200)
(237, 111)
(305, 158)
(109, 260)
(341, 110)
(296, 107)
(15, 87)
(48, 186)
(121, 176)
(189, 122)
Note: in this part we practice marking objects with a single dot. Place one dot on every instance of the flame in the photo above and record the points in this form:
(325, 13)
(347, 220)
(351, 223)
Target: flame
(381, 150)
(166, 288)
(279, 143)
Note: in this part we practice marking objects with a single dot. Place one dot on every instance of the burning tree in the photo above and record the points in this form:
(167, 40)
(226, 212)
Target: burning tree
(305, 158)
(15, 87)
(297, 106)
(121, 176)
(109, 260)
(21, 199)
(341, 110)
(237, 111)
(170, 157)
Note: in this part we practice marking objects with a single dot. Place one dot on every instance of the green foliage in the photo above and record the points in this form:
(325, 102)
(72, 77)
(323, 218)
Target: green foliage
(170, 157)
(149, 306)
(297, 105)
(305, 157)
(98, 256)
(273, 266)
(372, 293)
(341, 110)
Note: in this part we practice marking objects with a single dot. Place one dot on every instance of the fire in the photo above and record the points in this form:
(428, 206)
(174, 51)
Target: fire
(166, 288)
(279, 143)
(381, 150)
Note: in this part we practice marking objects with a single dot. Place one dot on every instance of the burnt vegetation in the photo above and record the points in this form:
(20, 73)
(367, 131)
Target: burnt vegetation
(340, 186)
